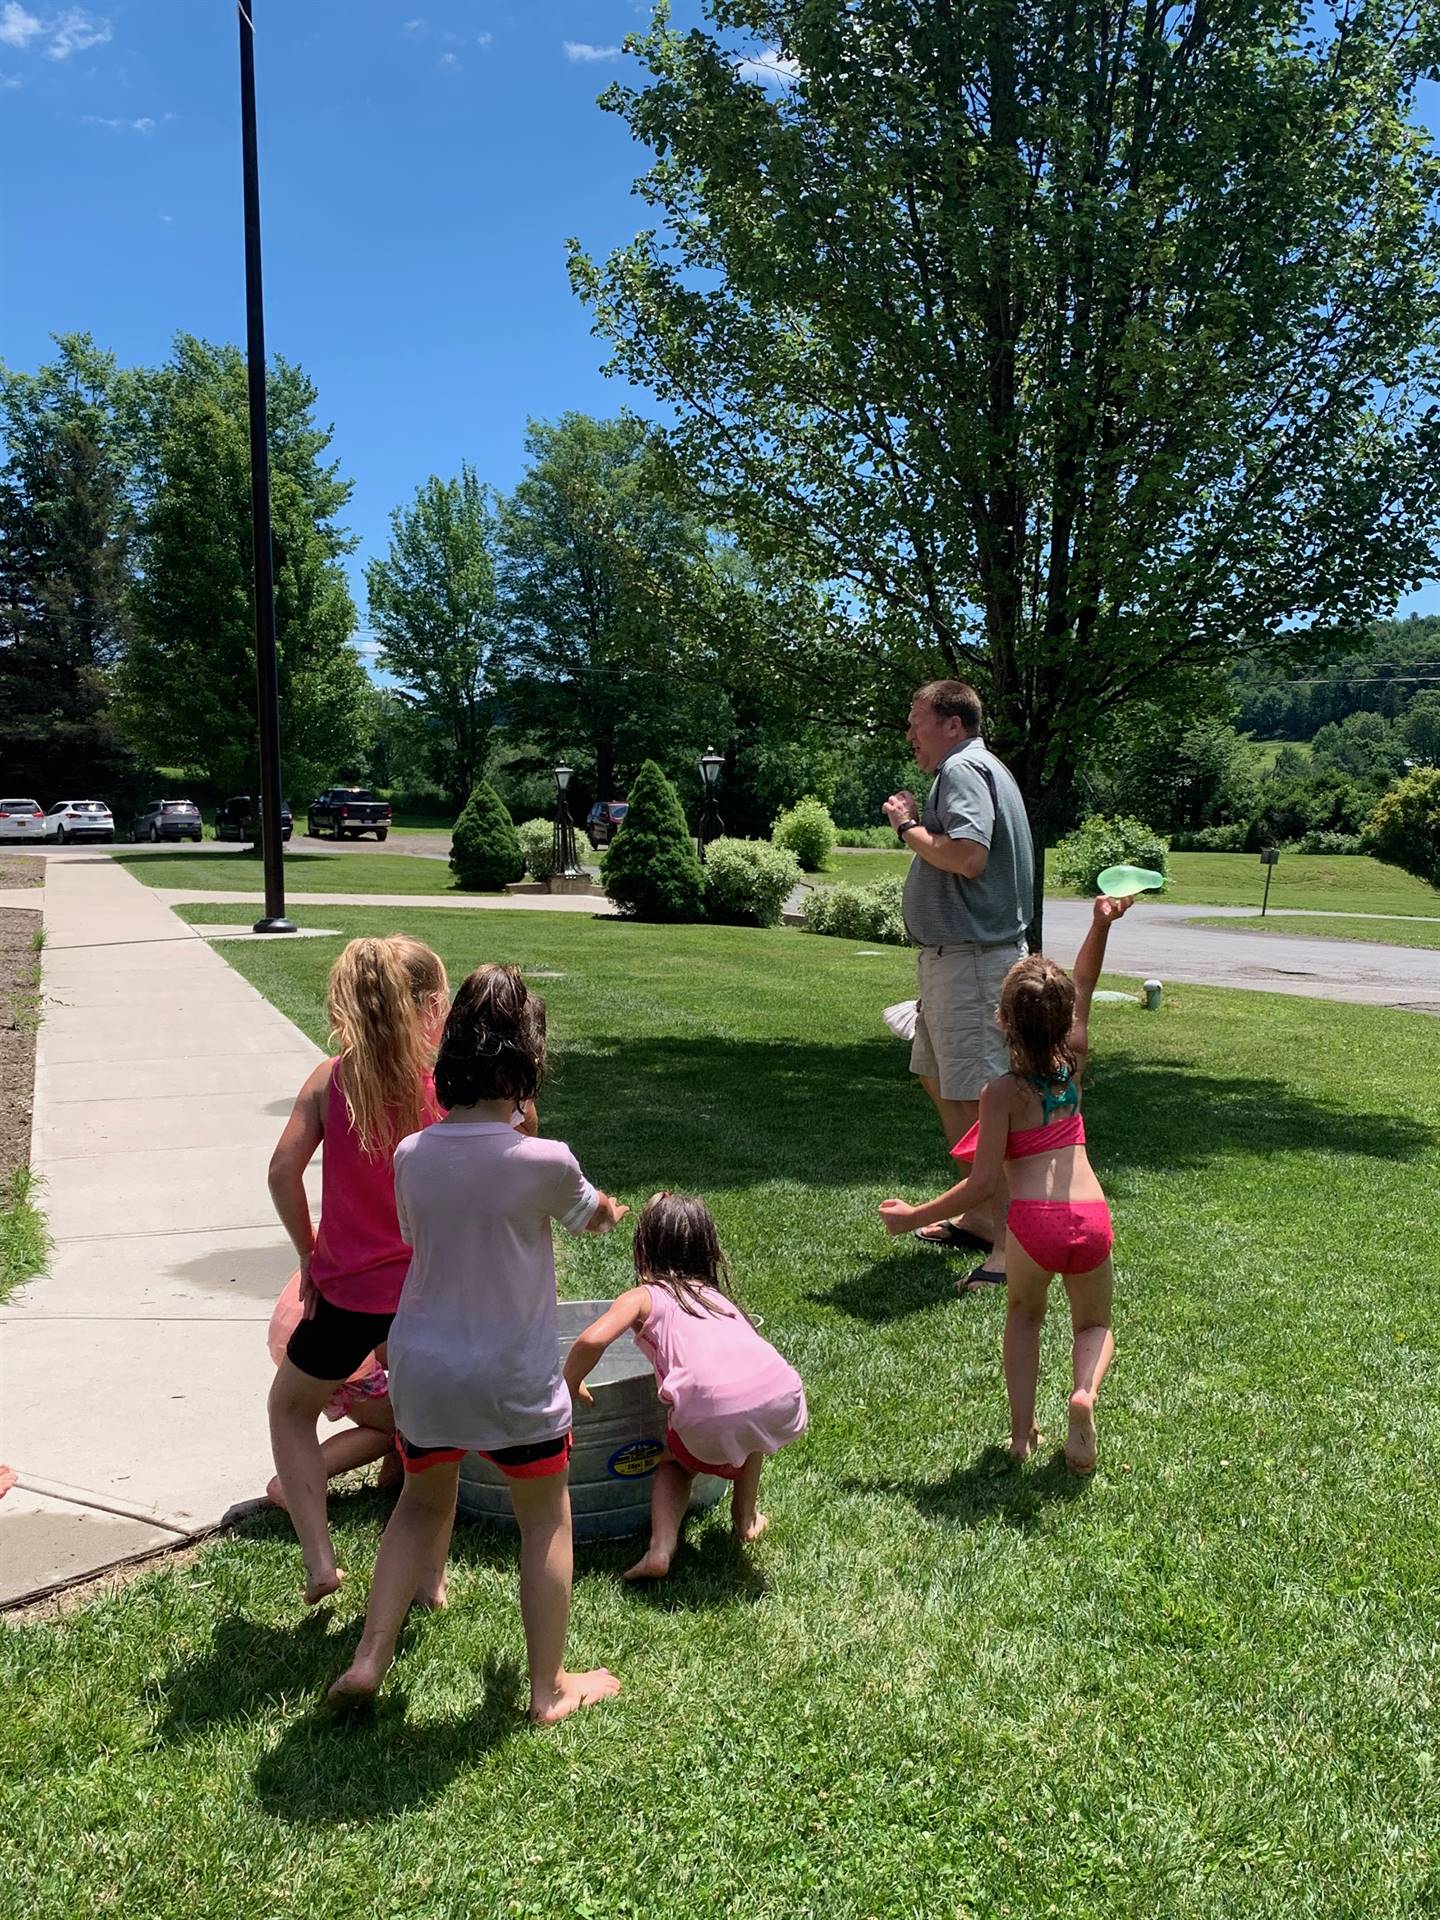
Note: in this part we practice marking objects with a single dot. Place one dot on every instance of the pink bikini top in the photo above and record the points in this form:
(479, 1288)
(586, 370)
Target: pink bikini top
(1022, 1145)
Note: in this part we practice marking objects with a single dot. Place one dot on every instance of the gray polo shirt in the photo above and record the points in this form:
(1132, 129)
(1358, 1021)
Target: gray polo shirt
(973, 797)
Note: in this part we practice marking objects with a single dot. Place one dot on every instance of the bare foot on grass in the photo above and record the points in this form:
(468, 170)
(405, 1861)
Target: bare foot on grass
(357, 1686)
(653, 1565)
(749, 1526)
(575, 1690)
(1023, 1448)
(1081, 1447)
(432, 1599)
(322, 1585)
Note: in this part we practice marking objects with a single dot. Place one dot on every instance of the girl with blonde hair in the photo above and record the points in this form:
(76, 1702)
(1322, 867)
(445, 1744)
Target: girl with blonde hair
(387, 1001)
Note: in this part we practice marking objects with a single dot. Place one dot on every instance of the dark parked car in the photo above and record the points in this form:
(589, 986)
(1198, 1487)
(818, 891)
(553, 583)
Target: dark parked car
(603, 821)
(347, 812)
(167, 820)
(232, 821)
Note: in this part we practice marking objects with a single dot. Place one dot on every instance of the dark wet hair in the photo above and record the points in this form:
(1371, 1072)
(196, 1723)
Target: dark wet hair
(1037, 1010)
(493, 1047)
(677, 1247)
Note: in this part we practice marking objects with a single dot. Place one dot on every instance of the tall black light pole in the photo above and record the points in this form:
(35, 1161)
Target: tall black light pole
(267, 697)
(710, 823)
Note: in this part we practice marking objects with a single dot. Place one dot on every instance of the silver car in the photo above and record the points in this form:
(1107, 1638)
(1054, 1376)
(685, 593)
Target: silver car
(79, 820)
(167, 820)
(21, 820)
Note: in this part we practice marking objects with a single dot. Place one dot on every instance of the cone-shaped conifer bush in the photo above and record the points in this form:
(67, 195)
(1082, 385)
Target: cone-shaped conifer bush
(485, 848)
(651, 869)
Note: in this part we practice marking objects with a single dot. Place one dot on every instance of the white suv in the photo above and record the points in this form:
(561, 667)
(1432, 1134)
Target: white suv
(79, 820)
(21, 820)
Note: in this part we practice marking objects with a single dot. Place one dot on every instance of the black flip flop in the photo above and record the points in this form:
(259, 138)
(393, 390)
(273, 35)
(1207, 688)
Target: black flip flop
(978, 1279)
(952, 1239)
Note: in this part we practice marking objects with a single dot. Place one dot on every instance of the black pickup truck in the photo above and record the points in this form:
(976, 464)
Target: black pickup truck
(347, 812)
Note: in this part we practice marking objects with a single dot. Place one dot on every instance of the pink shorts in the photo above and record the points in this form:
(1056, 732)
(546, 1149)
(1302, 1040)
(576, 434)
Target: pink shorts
(1067, 1236)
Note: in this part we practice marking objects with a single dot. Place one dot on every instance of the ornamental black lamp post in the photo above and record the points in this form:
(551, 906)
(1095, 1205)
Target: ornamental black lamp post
(267, 702)
(710, 822)
(567, 862)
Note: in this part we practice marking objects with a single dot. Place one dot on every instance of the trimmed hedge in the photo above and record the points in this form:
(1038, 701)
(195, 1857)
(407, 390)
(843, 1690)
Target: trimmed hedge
(807, 830)
(870, 913)
(537, 845)
(747, 882)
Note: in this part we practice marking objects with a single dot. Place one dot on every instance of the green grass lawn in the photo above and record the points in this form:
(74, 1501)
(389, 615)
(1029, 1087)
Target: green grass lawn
(1389, 933)
(305, 872)
(1200, 1685)
(1346, 883)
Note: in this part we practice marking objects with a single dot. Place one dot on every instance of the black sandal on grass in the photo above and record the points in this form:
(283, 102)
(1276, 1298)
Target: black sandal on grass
(951, 1238)
(978, 1278)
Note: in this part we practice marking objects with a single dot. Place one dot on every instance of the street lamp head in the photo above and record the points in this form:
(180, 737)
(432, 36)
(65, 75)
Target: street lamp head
(710, 764)
(563, 777)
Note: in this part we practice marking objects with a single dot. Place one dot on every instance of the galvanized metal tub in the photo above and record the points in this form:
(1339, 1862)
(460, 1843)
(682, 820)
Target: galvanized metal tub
(618, 1443)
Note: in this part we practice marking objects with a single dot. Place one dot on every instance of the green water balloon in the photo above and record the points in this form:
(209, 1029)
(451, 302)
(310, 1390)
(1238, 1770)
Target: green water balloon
(1118, 883)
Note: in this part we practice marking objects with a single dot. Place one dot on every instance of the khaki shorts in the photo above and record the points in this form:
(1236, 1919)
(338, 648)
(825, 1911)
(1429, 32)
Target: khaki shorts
(956, 1039)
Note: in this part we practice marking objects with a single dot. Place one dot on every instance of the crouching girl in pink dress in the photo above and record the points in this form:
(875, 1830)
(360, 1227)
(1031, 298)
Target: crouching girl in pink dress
(730, 1397)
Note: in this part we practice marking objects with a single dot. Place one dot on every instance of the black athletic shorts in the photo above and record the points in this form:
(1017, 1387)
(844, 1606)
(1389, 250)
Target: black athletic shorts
(331, 1344)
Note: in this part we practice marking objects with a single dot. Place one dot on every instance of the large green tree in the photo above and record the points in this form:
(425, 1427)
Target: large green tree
(189, 676)
(610, 595)
(65, 538)
(1077, 347)
(433, 608)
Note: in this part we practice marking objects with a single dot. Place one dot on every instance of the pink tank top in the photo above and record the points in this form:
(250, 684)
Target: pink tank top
(360, 1260)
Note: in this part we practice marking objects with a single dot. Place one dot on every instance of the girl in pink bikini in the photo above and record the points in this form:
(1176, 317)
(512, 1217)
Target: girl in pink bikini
(1058, 1220)
(730, 1397)
(387, 1000)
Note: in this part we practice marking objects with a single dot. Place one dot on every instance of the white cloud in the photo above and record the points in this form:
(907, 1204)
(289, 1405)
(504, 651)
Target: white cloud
(9, 82)
(59, 34)
(144, 125)
(17, 27)
(483, 39)
(74, 32)
(770, 69)
(448, 63)
(582, 50)
(413, 26)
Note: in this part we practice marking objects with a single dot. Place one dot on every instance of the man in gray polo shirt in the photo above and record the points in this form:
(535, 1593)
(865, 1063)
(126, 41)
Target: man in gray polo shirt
(968, 901)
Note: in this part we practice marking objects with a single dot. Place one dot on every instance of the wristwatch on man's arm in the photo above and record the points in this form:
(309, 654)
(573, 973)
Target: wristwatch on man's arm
(904, 827)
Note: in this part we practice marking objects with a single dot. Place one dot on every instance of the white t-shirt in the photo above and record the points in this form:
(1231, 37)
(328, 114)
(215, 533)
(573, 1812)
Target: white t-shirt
(474, 1352)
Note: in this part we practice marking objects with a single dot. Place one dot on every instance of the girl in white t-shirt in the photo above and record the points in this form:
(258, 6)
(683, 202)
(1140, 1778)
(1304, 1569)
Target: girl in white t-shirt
(474, 1353)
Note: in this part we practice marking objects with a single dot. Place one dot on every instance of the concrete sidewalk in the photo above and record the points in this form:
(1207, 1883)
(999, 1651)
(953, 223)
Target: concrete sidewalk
(133, 1377)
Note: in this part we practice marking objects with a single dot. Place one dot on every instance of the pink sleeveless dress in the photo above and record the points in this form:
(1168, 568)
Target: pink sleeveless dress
(360, 1258)
(729, 1393)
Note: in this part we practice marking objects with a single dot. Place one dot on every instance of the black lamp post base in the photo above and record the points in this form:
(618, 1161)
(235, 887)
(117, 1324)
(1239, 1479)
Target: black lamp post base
(280, 925)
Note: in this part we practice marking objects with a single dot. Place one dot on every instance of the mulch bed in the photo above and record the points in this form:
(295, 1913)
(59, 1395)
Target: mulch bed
(17, 1027)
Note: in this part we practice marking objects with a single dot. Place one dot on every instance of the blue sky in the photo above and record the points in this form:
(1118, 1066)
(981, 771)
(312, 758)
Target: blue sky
(422, 164)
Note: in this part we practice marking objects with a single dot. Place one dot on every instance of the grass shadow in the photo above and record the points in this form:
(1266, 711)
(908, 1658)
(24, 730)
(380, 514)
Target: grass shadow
(898, 1286)
(712, 1571)
(699, 1111)
(991, 1487)
(332, 1770)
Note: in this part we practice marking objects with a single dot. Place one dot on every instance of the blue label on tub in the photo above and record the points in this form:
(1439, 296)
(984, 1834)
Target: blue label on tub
(635, 1459)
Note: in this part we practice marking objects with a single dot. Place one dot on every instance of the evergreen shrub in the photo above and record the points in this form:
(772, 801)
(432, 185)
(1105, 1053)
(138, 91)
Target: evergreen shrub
(808, 832)
(484, 847)
(1082, 856)
(651, 870)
